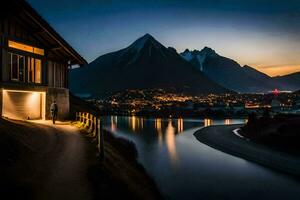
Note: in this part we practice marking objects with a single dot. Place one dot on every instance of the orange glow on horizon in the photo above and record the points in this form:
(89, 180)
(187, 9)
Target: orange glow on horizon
(278, 70)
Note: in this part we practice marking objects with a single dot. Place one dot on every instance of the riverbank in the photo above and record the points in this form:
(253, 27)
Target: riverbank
(223, 139)
(119, 175)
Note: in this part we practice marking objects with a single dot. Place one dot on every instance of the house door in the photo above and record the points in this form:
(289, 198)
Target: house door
(23, 104)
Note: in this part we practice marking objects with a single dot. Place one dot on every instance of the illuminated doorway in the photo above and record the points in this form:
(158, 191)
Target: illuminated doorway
(24, 105)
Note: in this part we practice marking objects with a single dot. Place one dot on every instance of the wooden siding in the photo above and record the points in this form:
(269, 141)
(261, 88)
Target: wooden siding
(57, 73)
(54, 63)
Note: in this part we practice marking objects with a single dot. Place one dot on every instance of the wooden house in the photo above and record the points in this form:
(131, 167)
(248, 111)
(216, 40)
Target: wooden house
(34, 62)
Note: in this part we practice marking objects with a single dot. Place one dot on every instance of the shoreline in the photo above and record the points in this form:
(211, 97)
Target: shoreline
(120, 169)
(222, 138)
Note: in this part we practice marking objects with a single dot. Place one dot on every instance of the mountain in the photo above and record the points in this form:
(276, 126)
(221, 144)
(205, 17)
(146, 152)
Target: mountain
(290, 81)
(228, 72)
(145, 64)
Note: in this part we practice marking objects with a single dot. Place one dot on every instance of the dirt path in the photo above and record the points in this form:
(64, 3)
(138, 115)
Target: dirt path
(54, 167)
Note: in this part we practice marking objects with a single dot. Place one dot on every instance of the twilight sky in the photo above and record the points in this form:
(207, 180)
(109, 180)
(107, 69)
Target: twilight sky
(264, 34)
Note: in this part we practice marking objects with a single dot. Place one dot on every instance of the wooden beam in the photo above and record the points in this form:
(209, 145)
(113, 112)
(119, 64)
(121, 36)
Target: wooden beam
(55, 48)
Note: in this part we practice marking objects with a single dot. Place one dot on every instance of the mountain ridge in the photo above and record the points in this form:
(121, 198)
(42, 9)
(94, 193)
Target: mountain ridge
(229, 73)
(145, 64)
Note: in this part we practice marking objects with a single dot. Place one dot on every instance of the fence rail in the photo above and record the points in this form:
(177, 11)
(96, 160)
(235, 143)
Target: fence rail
(92, 124)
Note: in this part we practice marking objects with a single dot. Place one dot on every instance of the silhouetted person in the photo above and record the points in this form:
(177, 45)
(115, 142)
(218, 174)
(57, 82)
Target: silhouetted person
(54, 110)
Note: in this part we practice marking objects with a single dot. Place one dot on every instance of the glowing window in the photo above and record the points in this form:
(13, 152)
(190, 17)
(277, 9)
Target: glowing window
(25, 47)
(30, 69)
(38, 66)
(34, 69)
(17, 65)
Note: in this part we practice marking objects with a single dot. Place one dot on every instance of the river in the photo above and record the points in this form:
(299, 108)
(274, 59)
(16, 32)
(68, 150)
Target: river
(184, 168)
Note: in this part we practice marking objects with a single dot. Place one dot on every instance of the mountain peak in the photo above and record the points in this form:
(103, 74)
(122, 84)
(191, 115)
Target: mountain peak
(147, 36)
(208, 51)
(186, 51)
(145, 39)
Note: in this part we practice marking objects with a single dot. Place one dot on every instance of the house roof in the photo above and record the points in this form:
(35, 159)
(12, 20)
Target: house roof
(45, 32)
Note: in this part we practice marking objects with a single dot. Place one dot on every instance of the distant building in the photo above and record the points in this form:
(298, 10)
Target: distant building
(275, 104)
(34, 64)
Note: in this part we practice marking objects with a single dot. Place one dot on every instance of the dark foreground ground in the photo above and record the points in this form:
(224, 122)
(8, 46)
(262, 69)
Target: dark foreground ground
(39, 161)
(223, 139)
(280, 132)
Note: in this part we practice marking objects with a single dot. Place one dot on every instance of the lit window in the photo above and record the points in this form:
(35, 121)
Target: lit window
(34, 68)
(30, 69)
(17, 65)
(27, 48)
(38, 66)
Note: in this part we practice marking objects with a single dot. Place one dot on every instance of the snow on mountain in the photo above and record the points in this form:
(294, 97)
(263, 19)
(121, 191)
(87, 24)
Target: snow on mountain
(228, 72)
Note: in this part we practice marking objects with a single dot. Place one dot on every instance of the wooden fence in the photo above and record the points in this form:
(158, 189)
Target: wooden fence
(92, 124)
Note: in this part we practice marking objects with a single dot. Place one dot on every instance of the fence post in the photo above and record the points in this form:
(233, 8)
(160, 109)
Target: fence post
(81, 117)
(95, 126)
(100, 140)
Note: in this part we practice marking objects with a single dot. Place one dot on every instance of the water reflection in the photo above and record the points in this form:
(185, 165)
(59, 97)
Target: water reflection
(185, 168)
(158, 124)
(138, 124)
(227, 121)
(113, 123)
(207, 122)
(180, 125)
(170, 141)
(160, 130)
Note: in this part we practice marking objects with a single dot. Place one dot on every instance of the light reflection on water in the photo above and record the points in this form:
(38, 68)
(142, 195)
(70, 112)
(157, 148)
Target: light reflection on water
(136, 124)
(170, 141)
(166, 129)
(184, 168)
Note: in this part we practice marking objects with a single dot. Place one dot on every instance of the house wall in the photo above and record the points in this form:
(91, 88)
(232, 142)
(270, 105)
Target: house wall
(61, 96)
(57, 74)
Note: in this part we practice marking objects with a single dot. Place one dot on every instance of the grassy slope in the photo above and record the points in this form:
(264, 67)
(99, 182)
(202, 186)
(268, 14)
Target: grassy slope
(120, 175)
